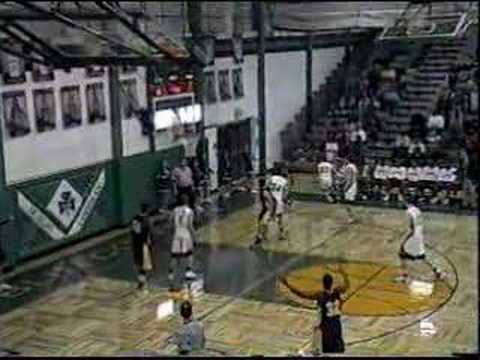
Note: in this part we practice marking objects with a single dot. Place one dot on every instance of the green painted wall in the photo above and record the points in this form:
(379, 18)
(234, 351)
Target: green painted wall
(22, 238)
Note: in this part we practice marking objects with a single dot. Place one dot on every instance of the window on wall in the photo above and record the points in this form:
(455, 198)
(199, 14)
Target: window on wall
(96, 103)
(129, 98)
(94, 71)
(71, 107)
(237, 80)
(13, 69)
(210, 88)
(224, 85)
(44, 104)
(15, 114)
(128, 69)
(42, 72)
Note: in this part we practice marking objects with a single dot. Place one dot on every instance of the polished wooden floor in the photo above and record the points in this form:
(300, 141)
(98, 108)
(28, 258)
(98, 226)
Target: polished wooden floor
(105, 315)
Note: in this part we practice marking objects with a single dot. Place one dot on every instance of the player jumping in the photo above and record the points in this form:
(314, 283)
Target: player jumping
(413, 247)
(277, 189)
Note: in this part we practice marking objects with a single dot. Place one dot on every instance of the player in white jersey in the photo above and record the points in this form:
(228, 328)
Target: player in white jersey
(350, 172)
(277, 188)
(183, 239)
(413, 247)
(325, 179)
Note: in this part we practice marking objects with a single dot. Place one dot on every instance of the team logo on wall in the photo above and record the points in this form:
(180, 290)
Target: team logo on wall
(67, 208)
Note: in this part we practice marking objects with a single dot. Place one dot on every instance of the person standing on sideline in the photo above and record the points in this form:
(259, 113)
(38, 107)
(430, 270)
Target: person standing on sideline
(183, 182)
(141, 246)
(191, 337)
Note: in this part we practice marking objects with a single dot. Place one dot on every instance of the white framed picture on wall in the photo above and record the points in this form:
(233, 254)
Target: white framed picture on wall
(237, 81)
(44, 105)
(224, 85)
(94, 71)
(95, 103)
(16, 114)
(71, 107)
(13, 69)
(210, 88)
(42, 72)
(129, 98)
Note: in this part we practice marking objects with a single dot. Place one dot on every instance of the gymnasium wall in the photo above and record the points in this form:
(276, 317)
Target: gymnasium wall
(285, 95)
(222, 113)
(61, 149)
(134, 142)
(40, 167)
(286, 89)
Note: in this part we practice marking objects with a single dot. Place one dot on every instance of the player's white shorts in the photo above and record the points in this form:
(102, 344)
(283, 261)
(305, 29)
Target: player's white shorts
(325, 184)
(406, 250)
(351, 193)
(278, 208)
(182, 244)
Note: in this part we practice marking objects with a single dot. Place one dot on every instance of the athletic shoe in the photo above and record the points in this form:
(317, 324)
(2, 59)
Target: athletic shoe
(190, 275)
(402, 279)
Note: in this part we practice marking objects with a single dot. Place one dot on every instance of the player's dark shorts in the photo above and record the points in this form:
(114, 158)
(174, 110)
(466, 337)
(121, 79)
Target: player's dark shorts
(181, 254)
(405, 255)
(332, 337)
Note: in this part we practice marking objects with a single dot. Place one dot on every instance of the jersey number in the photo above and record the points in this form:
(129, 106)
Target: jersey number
(333, 308)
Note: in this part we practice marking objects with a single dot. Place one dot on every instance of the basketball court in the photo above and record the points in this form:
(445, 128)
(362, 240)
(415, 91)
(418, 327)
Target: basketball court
(246, 306)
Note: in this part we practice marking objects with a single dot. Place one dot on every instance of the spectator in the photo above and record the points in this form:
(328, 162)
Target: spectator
(331, 147)
(417, 148)
(388, 91)
(141, 246)
(191, 337)
(374, 78)
(183, 182)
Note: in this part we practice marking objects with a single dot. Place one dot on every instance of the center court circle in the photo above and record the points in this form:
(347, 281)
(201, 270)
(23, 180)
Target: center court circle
(372, 291)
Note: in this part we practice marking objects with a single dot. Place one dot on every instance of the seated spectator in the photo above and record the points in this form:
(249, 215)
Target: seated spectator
(357, 133)
(417, 148)
(374, 76)
(331, 147)
(191, 337)
(388, 91)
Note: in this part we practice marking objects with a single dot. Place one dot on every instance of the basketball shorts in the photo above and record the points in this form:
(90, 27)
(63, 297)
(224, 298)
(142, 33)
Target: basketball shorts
(332, 338)
(278, 208)
(351, 193)
(325, 184)
(182, 245)
(403, 254)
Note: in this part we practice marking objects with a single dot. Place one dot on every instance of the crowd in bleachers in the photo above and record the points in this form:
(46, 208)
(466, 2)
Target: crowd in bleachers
(440, 151)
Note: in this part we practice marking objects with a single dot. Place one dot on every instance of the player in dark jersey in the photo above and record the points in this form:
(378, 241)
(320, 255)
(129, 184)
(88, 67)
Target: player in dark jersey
(264, 215)
(330, 302)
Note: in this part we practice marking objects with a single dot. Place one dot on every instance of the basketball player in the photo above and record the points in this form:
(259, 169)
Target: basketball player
(351, 187)
(413, 247)
(330, 302)
(264, 215)
(277, 188)
(141, 247)
(325, 179)
(183, 238)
